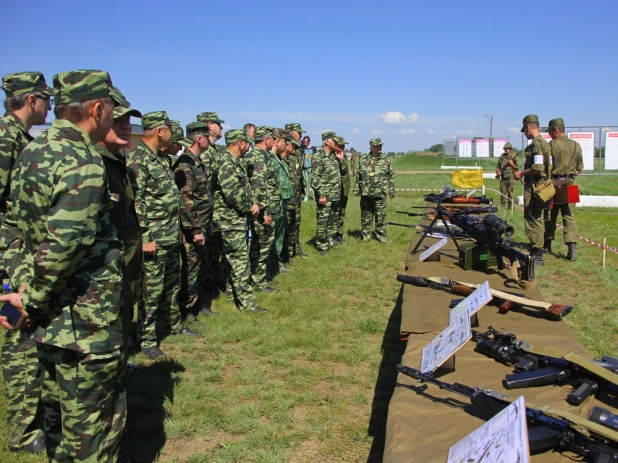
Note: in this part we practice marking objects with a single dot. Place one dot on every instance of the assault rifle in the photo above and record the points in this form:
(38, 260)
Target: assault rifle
(458, 232)
(475, 210)
(538, 366)
(452, 196)
(548, 428)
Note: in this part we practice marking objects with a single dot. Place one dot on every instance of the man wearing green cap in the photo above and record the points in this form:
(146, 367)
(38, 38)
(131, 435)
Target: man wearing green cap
(234, 207)
(375, 179)
(262, 177)
(345, 189)
(505, 171)
(297, 162)
(536, 169)
(157, 207)
(192, 179)
(326, 184)
(28, 99)
(177, 143)
(291, 246)
(72, 287)
(566, 155)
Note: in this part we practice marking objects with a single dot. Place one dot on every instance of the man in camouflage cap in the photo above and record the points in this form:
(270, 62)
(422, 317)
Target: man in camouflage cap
(536, 168)
(326, 184)
(300, 180)
(234, 207)
(177, 141)
(568, 163)
(28, 99)
(290, 250)
(73, 283)
(262, 178)
(345, 189)
(156, 203)
(375, 179)
(505, 171)
(192, 179)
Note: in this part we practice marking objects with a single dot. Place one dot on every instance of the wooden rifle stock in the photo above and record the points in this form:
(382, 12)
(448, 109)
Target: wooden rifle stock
(463, 199)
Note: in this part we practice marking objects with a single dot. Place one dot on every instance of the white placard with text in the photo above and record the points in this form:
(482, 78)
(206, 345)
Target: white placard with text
(432, 249)
(611, 150)
(499, 146)
(444, 346)
(473, 303)
(464, 149)
(482, 147)
(586, 141)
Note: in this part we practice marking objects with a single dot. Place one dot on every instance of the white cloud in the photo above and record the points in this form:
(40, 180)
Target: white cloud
(376, 132)
(465, 132)
(514, 129)
(407, 132)
(397, 118)
(226, 126)
(430, 131)
(355, 131)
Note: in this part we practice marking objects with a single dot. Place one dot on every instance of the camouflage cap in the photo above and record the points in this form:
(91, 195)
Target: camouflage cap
(236, 135)
(177, 132)
(22, 83)
(85, 85)
(281, 133)
(120, 111)
(197, 128)
(155, 119)
(507, 146)
(340, 141)
(295, 143)
(557, 122)
(294, 126)
(327, 135)
(375, 142)
(528, 119)
(209, 117)
(262, 132)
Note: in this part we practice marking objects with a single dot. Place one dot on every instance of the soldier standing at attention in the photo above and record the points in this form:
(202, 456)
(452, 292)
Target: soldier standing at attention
(261, 177)
(375, 179)
(536, 169)
(297, 161)
(290, 247)
(196, 205)
(72, 289)
(353, 161)
(234, 207)
(28, 99)
(156, 203)
(326, 185)
(308, 153)
(567, 159)
(507, 165)
(345, 189)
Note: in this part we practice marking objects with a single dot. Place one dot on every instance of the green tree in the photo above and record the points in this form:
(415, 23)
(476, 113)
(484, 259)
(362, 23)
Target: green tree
(437, 148)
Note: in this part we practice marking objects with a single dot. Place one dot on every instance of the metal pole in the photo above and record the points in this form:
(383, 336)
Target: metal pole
(490, 118)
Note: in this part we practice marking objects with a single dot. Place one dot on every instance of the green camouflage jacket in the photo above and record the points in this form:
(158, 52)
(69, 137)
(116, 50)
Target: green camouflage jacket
(566, 153)
(13, 139)
(296, 160)
(196, 205)
(326, 175)
(295, 172)
(263, 179)
(344, 168)
(232, 194)
(375, 176)
(63, 207)
(505, 167)
(156, 196)
(537, 158)
(285, 186)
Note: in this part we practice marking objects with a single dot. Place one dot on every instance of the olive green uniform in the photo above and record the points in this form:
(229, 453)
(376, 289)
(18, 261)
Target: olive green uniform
(536, 157)
(507, 179)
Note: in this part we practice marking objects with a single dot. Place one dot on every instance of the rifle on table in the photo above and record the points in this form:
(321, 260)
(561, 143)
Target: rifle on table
(548, 428)
(456, 198)
(539, 365)
(505, 299)
(460, 210)
(424, 228)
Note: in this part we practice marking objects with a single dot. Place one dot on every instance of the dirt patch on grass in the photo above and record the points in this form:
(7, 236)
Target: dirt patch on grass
(182, 449)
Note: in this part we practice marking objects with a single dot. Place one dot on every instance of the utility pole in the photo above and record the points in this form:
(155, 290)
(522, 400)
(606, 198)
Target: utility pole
(490, 118)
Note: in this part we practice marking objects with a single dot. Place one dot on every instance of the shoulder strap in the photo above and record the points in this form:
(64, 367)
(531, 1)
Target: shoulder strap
(572, 157)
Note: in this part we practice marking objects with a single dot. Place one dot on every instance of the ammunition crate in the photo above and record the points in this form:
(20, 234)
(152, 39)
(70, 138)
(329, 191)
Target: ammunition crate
(475, 257)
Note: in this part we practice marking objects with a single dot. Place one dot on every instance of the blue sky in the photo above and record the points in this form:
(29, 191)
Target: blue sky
(410, 72)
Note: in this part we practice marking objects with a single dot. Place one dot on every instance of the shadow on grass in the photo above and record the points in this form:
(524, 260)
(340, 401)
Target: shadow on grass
(355, 234)
(148, 388)
(392, 350)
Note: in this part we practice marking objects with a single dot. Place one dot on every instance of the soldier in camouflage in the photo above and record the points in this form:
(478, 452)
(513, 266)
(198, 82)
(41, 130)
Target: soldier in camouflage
(233, 208)
(28, 99)
(192, 179)
(566, 155)
(536, 169)
(297, 163)
(507, 165)
(345, 189)
(375, 179)
(262, 178)
(326, 184)
(72, 287)
(290, 247)
(157, 206)
(177, 142)
(354, 161)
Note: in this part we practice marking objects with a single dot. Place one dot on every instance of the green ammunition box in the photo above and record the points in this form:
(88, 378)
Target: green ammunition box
(475, 257)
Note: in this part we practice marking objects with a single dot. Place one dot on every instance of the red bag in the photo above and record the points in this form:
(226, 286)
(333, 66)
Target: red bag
(573, 194)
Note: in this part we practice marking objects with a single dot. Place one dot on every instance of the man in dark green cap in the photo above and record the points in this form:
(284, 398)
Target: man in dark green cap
(536, 169)
(71, 289)
(567, 159)
(297, 163)
(375, 179)
(157, 207)
(28, 99)
(505, 171)
(345, 189)
(291, 247)
(233, 208)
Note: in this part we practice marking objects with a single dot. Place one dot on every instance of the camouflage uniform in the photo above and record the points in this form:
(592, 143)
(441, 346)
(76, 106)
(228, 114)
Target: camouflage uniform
(232, 206)
(20, 364)
(345, 189)
(375, 179)
(326, 183)
(63, 206)
(353, 162)
(292, 241)
(300, 178)
(536, 157)
(285, 193)
(262, 179)
(507, 179)
(193, 181)
(565, 154)
(157, 206)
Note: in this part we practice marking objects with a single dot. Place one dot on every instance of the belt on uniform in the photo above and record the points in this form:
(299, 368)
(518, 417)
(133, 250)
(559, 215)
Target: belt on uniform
(570, 177)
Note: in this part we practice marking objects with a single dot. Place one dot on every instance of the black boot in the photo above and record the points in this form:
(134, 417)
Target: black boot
(571, 253)
(538, 257)
(547, 245)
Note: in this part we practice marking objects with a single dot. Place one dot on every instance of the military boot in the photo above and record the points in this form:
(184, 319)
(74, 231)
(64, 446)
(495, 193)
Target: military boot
(571, 252)
(538, 257)
(547, 245)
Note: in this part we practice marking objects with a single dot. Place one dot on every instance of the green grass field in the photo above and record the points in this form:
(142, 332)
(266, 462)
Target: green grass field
(311, 380)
